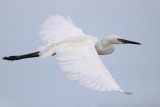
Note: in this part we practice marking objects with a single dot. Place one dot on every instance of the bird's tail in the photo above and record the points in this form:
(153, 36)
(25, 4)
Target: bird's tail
(18, 57)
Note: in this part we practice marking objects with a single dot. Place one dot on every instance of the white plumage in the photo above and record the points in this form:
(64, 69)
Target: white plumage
(76, 53)
(57, 28)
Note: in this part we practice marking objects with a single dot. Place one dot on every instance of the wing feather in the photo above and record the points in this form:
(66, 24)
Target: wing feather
(57, 28)
(83, 64)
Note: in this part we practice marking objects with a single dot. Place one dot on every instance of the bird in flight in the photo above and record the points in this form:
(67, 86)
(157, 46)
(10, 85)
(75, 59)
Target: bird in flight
(76, 53)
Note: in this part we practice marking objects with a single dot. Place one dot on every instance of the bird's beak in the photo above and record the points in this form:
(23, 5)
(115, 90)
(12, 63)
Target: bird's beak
(128, 41)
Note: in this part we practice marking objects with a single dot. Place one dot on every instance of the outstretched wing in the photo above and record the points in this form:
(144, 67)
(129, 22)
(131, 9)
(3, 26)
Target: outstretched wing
(82, 63)
(57, 28)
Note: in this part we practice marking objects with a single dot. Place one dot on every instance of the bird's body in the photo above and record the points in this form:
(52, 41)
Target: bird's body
(77, 53)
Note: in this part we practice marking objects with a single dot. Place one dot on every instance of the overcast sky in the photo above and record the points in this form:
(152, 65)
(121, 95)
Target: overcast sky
(40, 83)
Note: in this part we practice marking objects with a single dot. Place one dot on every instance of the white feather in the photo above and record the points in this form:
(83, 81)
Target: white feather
(57, 28)
(82, 63)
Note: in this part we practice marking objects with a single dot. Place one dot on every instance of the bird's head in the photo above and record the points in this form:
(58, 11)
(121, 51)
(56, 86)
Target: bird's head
(118, 40)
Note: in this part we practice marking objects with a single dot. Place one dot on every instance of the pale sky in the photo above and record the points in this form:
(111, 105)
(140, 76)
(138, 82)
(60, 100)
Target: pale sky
(40, 83)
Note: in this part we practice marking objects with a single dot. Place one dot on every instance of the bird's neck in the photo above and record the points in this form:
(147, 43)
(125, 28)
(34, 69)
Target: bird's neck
(104, 49)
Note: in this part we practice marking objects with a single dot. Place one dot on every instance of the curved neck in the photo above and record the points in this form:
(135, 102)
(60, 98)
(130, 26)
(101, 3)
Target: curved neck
(104, 48)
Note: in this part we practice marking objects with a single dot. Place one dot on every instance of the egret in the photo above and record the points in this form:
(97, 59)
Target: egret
(76, 53)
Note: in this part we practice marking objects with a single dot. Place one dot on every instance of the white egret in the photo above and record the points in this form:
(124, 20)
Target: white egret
(77, 53)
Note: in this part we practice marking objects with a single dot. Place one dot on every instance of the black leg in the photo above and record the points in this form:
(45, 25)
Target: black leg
(18, 57)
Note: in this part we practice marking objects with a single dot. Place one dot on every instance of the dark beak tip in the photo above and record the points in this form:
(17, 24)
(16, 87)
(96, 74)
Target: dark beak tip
(128, 41)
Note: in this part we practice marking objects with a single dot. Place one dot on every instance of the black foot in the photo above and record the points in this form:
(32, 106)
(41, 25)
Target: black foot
(11, 58)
